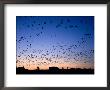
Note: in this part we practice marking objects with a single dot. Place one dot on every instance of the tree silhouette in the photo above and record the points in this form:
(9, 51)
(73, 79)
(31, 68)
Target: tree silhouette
(38, 68)
(67, 67)
(62, 68)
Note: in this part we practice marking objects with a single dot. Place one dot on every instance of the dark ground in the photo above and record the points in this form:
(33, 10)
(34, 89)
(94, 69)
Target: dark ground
(55, 70)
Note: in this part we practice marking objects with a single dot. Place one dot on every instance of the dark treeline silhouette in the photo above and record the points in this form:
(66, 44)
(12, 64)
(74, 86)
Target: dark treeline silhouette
(55, 70)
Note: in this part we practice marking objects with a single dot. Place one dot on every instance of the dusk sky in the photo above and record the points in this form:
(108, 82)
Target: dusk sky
(59, 41)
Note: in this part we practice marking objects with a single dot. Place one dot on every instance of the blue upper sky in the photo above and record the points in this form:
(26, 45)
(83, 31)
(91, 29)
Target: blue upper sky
(61, 39)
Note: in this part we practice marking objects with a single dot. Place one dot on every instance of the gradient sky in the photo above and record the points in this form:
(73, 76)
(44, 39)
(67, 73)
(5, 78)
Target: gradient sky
(62, 41)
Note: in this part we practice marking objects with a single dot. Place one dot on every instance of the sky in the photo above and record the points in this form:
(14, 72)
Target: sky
(54, 41)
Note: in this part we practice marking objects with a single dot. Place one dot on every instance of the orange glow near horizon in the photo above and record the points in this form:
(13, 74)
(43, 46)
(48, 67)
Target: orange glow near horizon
(33, 65)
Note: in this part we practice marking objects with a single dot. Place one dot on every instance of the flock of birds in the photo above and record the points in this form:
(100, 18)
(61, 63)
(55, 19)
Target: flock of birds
(59, 53)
